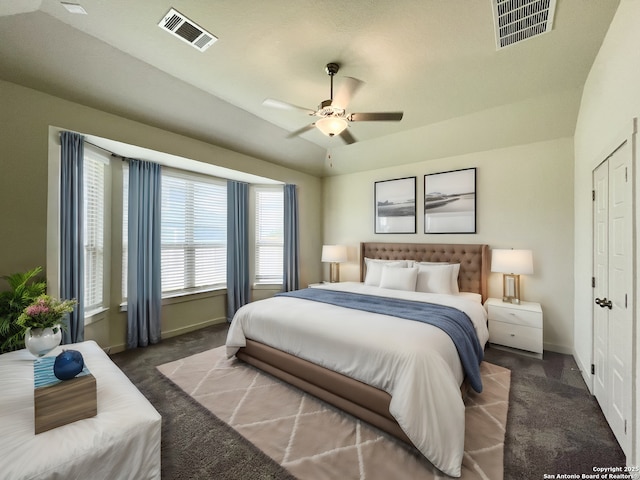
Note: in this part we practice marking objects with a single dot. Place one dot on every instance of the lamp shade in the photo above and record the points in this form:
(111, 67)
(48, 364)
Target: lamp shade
(334, 253)
(519, 262)
(331, 125)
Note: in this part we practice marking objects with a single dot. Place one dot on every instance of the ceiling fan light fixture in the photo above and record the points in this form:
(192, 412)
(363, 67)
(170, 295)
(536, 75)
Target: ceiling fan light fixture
(331, 126)
(333, 118)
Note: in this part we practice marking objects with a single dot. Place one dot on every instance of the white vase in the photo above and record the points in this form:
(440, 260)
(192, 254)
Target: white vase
(40, 341)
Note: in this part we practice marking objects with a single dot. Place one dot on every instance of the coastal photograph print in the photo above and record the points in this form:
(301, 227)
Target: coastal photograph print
(450, 202)
(395, 206)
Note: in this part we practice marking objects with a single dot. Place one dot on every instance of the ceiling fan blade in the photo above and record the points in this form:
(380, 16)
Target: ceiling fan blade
(347, 137)
(349, 86)
(376, 117)
(302, 130)
(273, 103)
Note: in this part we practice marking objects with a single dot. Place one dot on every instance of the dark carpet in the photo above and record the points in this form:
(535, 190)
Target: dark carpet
(553, 426)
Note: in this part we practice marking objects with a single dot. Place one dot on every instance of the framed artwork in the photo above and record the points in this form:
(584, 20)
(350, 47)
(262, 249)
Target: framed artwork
(450, 202)
(395, 206)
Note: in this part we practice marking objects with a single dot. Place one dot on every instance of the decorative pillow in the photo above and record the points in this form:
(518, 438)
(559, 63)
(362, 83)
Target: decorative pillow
(454, 274)
(476, 297)
(374, 269)
(435, 278)
(396, 278)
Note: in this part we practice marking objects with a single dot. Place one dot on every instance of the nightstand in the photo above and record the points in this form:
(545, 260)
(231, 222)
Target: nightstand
(516, 326)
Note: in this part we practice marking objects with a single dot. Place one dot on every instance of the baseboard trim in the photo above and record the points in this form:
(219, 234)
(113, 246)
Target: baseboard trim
(190, 328)
(171, 333)
(585, 371)
(558, 348)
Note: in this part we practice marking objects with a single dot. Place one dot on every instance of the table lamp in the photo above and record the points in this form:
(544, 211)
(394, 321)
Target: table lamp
(334, 254)
(511, 263)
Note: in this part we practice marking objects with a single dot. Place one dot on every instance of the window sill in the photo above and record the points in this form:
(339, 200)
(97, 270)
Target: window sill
(95, 315)
(180, 297)
(205, 292)
(267, 286)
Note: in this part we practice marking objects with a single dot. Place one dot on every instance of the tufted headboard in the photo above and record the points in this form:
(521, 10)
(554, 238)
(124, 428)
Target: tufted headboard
(473, 260)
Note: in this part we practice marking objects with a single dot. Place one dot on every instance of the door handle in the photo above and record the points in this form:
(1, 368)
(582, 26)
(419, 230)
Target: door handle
(604, 303)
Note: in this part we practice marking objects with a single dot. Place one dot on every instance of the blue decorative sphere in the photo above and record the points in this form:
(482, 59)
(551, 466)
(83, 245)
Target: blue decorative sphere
(68, 364)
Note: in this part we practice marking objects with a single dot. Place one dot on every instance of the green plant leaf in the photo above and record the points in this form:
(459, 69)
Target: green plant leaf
(24, 288)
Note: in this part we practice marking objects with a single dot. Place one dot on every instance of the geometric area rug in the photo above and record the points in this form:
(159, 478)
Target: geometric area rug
(315, 441)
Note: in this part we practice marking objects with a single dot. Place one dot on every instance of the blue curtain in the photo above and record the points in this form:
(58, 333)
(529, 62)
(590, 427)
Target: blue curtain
(71, 232)
(238, 285)
(144, 287)
(291, 260)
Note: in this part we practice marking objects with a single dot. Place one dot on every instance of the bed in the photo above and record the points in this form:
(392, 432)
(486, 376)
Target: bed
(372, 364)
(122, 441)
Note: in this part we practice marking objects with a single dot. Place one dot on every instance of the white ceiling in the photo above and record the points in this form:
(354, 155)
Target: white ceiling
(435, 60)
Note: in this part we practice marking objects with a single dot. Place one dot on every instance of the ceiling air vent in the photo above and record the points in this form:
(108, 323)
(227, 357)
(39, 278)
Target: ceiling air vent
(180, 26)
(518, 20)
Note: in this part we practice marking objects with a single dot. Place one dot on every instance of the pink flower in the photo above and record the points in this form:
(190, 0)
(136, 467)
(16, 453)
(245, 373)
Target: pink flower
(44, 312)
(37, 309)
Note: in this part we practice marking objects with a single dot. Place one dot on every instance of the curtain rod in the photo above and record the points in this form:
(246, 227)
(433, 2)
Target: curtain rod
(108, 151)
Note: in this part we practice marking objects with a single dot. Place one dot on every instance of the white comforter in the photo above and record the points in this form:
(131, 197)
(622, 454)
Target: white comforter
(121, 442)
(416, 363)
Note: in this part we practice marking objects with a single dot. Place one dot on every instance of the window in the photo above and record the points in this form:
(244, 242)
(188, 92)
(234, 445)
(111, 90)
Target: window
(269, 239)
(125, 228)
(193, 232)
(94, 202)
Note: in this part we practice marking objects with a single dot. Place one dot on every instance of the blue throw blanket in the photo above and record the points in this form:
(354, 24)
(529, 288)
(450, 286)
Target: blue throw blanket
(452, 321)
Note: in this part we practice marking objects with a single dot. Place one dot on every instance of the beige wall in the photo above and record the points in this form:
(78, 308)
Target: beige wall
(610, 102)
(26, 116)
(525, 200)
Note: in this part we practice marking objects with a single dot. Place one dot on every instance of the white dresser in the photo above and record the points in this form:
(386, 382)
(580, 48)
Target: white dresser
(515, 325)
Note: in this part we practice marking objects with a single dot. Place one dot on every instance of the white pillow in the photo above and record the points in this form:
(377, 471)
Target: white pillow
(434, 278)
(455, 271)
(374, 269)
(476, 297)
(368, 261)
(396, 278)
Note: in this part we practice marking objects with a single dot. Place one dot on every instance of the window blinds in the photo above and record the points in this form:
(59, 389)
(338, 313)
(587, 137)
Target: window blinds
(125, 228)
(269, 240)
(94, 231)
(194, 231)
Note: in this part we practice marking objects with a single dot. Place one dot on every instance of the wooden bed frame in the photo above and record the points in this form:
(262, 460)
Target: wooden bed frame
(364, 401)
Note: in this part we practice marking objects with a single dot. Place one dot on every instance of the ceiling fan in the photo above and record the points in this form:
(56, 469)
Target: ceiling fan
(332, 113)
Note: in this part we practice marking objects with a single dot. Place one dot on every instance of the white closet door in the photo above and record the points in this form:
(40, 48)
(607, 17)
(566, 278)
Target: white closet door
(601, 274)
(613, 271)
